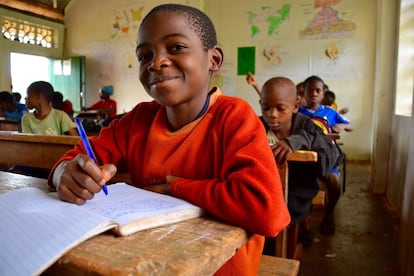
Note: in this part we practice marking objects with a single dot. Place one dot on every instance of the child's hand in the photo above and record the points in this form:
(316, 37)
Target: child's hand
(281, 150)
(250, 79)
(339, 127)
(79, 179)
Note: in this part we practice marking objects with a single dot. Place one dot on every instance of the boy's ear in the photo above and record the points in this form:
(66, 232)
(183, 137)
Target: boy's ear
(296, 106)
(217, 57)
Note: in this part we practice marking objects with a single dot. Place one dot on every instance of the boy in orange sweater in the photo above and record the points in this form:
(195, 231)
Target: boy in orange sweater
(194, 143)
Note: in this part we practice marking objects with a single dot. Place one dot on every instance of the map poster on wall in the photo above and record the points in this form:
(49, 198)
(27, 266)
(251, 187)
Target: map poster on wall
(245, 60)
(125, 21)
(268, 22)
(288, 58)
(330, 20)
(339, 59)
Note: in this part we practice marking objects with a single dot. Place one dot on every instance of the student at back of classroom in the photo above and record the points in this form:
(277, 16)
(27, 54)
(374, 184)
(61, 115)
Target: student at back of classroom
(64, 105)
(9, 108)
(314, 93)
(330, 100)
(191, 142)
(288, 131)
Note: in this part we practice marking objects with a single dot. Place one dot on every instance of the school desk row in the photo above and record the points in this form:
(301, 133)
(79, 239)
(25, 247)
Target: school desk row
(197, 246)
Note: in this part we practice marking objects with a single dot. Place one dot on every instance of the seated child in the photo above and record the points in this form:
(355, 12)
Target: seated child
(9, 108)
(329, 100)
(105, 105)
(314, 93)
(190, 142)
(64, 105)
(288, 131)
(300, 90)
(16, 97)
(45, 120)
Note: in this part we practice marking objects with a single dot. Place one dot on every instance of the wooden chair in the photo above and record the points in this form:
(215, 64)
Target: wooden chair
(287, 245)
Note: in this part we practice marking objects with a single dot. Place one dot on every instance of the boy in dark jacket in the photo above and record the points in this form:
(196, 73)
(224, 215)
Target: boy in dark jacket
(288, 131)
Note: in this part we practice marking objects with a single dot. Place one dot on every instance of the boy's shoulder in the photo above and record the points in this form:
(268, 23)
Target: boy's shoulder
(304, 122)
(231, 102)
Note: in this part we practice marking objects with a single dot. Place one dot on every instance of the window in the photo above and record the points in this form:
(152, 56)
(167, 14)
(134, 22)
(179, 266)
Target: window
(405, 66)
(28, 33)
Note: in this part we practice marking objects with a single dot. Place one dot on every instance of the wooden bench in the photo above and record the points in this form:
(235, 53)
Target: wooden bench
(270, 265)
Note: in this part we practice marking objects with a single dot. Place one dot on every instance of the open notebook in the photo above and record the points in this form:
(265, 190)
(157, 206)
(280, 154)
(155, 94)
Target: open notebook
(38, 228)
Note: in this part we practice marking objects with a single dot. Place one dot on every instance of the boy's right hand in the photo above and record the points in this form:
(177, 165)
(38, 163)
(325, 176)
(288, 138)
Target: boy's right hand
(79, 179)
(281, 150)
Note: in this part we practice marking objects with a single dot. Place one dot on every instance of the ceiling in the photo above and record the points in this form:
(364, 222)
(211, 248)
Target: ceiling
(49, 9)
(53, 4)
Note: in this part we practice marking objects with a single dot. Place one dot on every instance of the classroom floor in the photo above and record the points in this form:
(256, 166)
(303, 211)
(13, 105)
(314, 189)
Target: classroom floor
(366, 238)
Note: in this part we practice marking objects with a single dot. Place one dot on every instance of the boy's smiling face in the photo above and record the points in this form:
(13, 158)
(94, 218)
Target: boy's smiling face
(174, 67)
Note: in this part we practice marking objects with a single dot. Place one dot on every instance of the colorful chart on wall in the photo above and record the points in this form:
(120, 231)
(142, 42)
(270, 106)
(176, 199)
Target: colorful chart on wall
(287, 58)
(125, 21)
(339, 59)
(330, 20)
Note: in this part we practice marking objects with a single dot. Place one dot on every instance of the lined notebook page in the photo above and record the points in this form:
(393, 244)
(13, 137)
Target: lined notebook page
(37, 228)
(138, 209)
(126, 203)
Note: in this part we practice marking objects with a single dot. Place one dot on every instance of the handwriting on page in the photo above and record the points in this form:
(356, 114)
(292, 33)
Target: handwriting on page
(149, 206)
(128, 203)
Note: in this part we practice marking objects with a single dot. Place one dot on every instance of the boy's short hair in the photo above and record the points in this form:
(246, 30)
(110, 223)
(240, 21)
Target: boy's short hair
(330, 95)
(311, 79)
(199, 22)
(17, 96)
(281, 81)
(42, 87)
(6, 97)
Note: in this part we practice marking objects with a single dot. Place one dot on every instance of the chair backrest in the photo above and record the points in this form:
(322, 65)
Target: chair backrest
(297, 156)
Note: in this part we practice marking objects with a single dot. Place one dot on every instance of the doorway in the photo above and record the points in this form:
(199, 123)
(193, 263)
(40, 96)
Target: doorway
(67, 75)
(26, 69)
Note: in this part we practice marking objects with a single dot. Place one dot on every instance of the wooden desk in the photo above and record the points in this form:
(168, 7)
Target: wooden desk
(194, 247)
(198, 246)
(38, 151)
(9, 124)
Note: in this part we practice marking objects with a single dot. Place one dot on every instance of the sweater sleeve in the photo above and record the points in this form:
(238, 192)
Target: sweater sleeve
(248, 192)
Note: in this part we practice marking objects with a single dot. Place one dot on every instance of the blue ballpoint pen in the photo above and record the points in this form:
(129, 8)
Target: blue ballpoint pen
(87, 146)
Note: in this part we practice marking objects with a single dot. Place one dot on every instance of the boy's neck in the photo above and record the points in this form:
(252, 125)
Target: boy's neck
(313, 107)
(283, 132)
